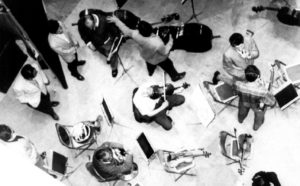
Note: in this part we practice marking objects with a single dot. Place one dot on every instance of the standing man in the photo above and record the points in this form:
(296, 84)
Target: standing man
(98, 34)
(241, 53)
(30, 88)
(253, 94)
(149, 105)
(63, 43)
(152, 48)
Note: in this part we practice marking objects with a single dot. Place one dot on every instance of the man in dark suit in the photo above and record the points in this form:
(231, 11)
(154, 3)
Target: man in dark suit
(99, 34)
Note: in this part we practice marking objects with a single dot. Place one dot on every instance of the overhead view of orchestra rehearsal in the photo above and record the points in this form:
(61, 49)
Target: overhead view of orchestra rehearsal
(150, 93)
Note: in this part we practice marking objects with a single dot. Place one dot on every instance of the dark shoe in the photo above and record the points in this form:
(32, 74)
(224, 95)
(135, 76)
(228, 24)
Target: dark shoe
(215, 79)
(55, 116)
(150, 73)
(114, 73)
(179, 76)
(80, 77)
(80, 63)
(54, 103)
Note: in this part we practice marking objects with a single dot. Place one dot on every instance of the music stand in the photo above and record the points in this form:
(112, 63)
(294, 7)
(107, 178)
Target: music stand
(125, 71)
(108, 115)
(145, 146)
(194, 14)
(286, 95)
(58, 164)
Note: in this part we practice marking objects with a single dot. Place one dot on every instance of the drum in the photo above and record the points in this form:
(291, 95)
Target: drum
(191, 37)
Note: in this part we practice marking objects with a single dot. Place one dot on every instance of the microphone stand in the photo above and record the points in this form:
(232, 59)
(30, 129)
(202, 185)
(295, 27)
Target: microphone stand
(194, 15)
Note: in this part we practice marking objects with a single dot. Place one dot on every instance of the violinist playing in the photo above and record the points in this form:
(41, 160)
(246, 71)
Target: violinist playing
(150, 105)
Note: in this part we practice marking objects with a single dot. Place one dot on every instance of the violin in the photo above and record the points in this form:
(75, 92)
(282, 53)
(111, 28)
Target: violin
(158, 91)
(188, 153)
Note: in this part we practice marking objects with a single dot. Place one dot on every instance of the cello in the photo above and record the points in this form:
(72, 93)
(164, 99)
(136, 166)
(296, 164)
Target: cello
(285, 14)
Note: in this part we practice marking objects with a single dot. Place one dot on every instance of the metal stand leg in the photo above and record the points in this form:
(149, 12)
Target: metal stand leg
(125, 70)
(194, 15)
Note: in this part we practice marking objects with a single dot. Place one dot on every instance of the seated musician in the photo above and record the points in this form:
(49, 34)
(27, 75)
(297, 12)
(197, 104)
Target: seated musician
(253, 94)
(111, 161)
(98, 34)
(151, 106)
(242, 148)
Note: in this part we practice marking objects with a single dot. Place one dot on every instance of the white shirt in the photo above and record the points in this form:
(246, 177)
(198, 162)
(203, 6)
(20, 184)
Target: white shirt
(142, 101)
(63, 44)
(29, 91)
(25, 148)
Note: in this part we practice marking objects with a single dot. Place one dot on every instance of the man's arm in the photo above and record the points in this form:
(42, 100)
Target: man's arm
(165, 49)
(124, 29)
(41, 72)
(253, 51)
(156, 111)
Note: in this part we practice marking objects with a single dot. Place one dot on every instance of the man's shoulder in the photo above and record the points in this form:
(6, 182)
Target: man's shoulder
(229, 51)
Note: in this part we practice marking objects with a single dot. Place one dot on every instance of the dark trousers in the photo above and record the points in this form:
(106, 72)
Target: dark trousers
(167, 65)
(73, 66)
(259, 115)
(114, 60)
(161, 118)
(45, 105)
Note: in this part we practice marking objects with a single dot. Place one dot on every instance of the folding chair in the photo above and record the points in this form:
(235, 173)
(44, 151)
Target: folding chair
(80, 136)
(230, 148)
(221, 93)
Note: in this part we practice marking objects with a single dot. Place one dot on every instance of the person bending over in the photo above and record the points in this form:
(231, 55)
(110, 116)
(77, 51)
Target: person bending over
(152, 48)
(111, 161)
(21, 145)
(99, 34)
(252, 94)
(30, 88)
(241, 53)
(64, 44)
(149, 104)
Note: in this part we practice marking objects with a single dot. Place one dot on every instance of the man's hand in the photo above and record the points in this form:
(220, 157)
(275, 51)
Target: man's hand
(112, 19)
(165, 104)
(244, 54)
(92, 47)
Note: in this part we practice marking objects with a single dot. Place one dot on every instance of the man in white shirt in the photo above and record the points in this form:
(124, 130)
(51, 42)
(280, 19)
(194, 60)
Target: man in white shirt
(151, 106)
(152, 48)
(63, 43)
(30, 88)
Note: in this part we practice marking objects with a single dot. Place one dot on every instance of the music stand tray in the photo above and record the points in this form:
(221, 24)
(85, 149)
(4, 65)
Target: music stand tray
(286, 95)
(145, 148)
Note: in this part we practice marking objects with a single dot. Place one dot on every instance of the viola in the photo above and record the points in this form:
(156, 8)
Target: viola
(188, 153)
